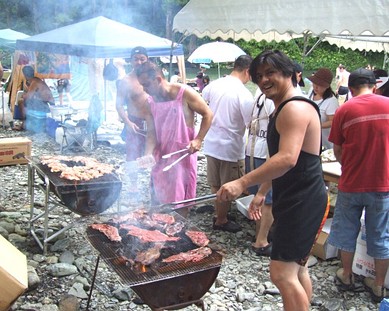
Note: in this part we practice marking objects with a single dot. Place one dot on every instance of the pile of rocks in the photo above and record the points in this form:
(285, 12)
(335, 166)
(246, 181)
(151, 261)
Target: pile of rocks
(61, 279)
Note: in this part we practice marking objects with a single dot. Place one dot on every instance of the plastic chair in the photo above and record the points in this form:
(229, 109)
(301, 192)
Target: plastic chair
(74, 134)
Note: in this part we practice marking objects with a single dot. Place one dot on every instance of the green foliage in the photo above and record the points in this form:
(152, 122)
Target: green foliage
(323, 55)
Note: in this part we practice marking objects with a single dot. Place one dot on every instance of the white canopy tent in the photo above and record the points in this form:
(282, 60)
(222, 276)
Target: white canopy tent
(284, 20)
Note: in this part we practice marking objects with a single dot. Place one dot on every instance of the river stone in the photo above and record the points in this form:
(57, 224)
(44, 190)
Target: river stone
(4, 232)
(33, 278)
(69, 303)
(61, 269)
(16, 239)
(67, 257)
(60, 245)
(10, 227)
(38, 258)
(49, 308)
(77, 290)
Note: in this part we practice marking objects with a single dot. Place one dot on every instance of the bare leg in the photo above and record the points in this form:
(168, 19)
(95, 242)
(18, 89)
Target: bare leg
(347, 263)
(292, 282)
(263, 226)
(221, 209)
(60, 95)
(70, 99)
(381, 267)
(305, 281)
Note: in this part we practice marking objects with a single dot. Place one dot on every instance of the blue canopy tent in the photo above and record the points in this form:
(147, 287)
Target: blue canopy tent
(100, 37)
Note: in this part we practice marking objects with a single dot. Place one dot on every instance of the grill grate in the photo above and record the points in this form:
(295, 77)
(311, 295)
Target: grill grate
(133, 275)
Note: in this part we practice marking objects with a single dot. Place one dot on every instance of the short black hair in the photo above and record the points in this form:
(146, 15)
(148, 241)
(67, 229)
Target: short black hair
(242, 63)
(275, 59)
(28, 72)
(151, 69)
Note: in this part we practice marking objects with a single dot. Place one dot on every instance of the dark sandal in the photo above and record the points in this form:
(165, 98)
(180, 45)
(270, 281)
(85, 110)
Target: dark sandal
(262, 251)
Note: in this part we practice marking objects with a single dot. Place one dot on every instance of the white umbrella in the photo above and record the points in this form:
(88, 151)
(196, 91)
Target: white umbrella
(217, 52)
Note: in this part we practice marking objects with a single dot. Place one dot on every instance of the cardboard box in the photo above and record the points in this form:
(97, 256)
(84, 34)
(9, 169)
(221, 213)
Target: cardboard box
(14, 150)
(13, 274)
(321, 248)
(363, 264)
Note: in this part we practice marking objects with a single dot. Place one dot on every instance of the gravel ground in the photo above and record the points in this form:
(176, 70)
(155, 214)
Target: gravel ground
(242, 284)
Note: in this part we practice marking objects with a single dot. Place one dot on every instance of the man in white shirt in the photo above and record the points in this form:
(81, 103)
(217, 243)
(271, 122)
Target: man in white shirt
(231, 103)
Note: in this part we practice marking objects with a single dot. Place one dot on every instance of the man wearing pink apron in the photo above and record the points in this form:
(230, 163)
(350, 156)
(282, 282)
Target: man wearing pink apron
(173, 107)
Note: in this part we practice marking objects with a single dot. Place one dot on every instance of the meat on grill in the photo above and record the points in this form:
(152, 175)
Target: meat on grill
(147, 235)
(110, 232)
(150, 255)
(175, 228)
(164, 218)
(193, 255)
(77, 167)
(197, 237)
(131, 216)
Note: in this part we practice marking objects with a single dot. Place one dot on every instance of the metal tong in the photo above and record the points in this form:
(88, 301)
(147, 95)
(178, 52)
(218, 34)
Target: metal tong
(184, 203)
(167, 156)
(166, 168)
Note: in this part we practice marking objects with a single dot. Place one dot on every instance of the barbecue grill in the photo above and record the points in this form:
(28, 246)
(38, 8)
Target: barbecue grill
(162, 286)
(81, 197)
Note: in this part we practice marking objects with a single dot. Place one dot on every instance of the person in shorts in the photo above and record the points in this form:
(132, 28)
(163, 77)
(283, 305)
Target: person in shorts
(231, 104)
(360, 132)
(300, 201)
(64, 85)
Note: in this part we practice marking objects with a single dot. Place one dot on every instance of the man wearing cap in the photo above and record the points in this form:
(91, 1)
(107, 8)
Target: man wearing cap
(133, 108)
(360, 132)
(382, 85)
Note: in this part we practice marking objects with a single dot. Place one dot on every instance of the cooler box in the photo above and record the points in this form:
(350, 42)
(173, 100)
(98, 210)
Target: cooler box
(51, 126)
(35, 121)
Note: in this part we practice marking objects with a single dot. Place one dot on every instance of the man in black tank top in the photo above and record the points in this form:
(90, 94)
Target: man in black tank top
(295, 173)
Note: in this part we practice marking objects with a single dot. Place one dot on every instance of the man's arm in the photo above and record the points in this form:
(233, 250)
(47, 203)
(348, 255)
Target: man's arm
(151, 137)
(338, 153)
(197, 104)
(292, 124)
(121, 98)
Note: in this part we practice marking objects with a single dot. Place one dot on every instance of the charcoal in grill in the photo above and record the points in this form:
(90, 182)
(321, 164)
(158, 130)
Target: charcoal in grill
(161, 285)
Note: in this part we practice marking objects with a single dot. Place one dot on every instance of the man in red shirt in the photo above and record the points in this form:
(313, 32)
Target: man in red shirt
(360, 133)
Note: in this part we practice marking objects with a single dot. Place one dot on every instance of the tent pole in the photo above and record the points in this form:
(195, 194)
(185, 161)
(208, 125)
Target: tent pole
(2, 101)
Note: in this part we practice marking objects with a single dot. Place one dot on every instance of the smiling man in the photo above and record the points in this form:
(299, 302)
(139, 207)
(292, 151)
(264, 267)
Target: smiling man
(294, 167)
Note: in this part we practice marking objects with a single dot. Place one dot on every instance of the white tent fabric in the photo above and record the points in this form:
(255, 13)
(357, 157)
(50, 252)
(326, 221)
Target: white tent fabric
(367, 42)
(281, 20)
(8, 37)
